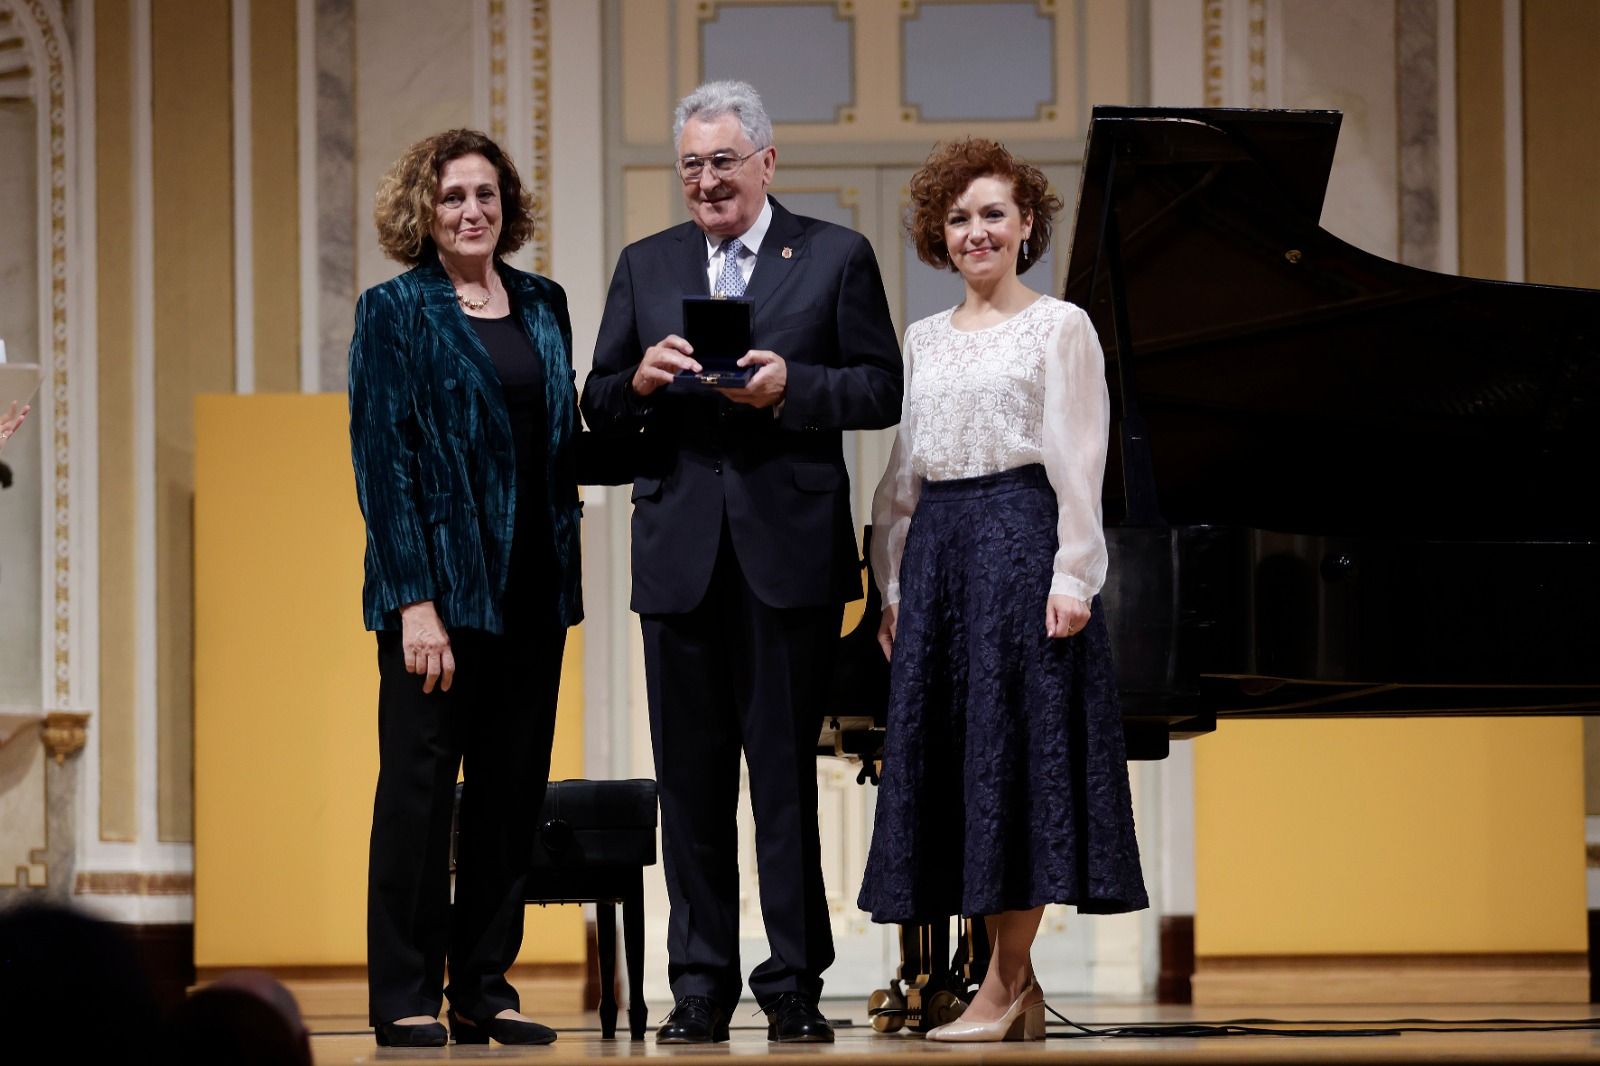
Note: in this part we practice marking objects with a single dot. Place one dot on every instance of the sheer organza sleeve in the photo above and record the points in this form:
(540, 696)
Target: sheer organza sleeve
(895, 500)
(1077, 420)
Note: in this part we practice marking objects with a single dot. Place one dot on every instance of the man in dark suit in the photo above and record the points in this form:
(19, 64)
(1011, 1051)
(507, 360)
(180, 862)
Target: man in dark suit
(744, 551)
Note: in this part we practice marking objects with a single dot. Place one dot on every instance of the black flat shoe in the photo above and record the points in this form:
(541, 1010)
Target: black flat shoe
(503, 1030)
(430, 1034)
(793, 1019)
(694, 1020)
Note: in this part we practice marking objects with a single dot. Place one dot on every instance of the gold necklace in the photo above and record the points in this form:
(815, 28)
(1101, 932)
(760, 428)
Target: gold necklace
(474, 305)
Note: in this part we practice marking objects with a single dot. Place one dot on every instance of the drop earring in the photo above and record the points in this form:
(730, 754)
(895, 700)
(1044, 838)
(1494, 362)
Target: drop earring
(1024, 250)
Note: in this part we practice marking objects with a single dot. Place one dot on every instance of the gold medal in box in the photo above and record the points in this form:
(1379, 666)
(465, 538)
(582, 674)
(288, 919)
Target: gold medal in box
(718, 328)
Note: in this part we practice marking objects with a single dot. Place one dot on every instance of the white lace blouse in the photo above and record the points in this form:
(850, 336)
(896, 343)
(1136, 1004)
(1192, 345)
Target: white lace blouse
(1031, 389)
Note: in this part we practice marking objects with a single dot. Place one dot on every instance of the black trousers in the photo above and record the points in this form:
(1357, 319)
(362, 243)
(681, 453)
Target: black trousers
(737, 674)
(496, 724)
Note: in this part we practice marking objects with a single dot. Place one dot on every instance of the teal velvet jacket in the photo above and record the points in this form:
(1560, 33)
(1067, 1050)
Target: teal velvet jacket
(431, 441)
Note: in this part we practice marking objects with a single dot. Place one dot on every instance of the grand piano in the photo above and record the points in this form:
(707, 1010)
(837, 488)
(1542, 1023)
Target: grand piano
(1337, 485)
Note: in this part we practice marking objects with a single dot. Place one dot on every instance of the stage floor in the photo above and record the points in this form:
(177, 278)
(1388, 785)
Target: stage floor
(338, 1041)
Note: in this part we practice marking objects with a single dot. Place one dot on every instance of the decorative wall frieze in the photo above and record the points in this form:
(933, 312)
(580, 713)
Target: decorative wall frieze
(519, 85)
(1256, 51)
(39, 25)
(132, 883)
(498, 50)
(538, 165)
(1212, 53)
(1239, 57)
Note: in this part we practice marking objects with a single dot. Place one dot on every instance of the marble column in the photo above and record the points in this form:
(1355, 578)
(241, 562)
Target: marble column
(63, 735)
(337, 209)
(1417, 86)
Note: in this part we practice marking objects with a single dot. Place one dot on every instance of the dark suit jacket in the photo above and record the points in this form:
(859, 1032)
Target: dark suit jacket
(780, 480)
(434, 460)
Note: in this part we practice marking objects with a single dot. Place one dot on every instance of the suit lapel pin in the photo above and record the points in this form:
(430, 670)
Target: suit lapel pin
(788, 253)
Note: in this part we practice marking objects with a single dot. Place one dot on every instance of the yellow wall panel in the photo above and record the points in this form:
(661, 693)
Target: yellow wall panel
(1108, 73)
(286, 694)
(1390, 836)
(1480, 133)
(275, 192)
(1561, 82)
(647, 99)
(114, 720)
(647, 200)
(192, 175)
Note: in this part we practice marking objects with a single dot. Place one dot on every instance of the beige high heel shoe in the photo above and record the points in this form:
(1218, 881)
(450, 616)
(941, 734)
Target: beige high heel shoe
(1023, 1020)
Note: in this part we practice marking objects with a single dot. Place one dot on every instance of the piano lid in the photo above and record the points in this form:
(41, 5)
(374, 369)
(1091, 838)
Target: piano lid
(1265, 373)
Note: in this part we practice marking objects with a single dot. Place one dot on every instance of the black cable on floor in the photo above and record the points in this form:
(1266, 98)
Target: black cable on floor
(1577, 1022)
(1340, 1027)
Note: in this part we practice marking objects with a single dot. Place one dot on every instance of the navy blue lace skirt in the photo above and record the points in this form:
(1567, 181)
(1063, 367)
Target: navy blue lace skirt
(1005, 781)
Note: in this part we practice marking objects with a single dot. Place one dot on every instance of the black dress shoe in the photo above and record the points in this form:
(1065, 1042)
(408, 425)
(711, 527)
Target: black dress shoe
(429, 1034)
(504, 1031)
(694, 1020)
(794, 1019)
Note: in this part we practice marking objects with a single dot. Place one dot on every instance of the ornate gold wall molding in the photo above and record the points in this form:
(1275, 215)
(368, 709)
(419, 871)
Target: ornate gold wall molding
(533, 156)
(1212, 60)
(539, 111)
(1048, 112)
(1256, 51)
(1236, 55)
(44, 35)
(844, 12)
(132, 883)
(497, 69)
(64, 734)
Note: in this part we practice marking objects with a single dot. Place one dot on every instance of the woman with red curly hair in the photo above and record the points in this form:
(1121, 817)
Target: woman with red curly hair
(1005, 782)
(463, 425)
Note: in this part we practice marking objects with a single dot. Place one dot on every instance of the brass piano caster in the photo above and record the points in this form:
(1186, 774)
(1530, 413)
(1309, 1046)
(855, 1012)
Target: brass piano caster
(942, 1007)
(887, 1009)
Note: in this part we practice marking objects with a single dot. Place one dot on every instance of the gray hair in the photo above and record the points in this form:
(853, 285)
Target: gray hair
(717, 98)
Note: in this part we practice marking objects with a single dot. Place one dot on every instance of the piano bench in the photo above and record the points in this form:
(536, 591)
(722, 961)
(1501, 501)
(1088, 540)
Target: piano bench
(594, 840)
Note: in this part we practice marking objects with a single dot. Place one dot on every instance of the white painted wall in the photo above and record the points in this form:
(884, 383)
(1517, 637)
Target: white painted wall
(1343, 56)
(414, 76)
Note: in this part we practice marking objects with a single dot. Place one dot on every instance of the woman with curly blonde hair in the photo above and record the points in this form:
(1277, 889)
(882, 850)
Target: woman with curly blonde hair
(1005, 783)
(462, 429)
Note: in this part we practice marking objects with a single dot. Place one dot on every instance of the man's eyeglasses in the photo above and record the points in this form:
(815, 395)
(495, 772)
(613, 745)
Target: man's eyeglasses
(723, 165)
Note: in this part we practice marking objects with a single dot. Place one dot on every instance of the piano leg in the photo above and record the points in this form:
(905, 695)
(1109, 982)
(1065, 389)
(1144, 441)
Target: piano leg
(936, 983)
(887, 1008)
(933, 947)
(890, 1008)
(605, 921)
(972, 955)
(633, 953)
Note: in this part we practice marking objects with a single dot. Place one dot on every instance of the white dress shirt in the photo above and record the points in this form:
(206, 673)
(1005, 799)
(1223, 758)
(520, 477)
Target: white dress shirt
(750, 239)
